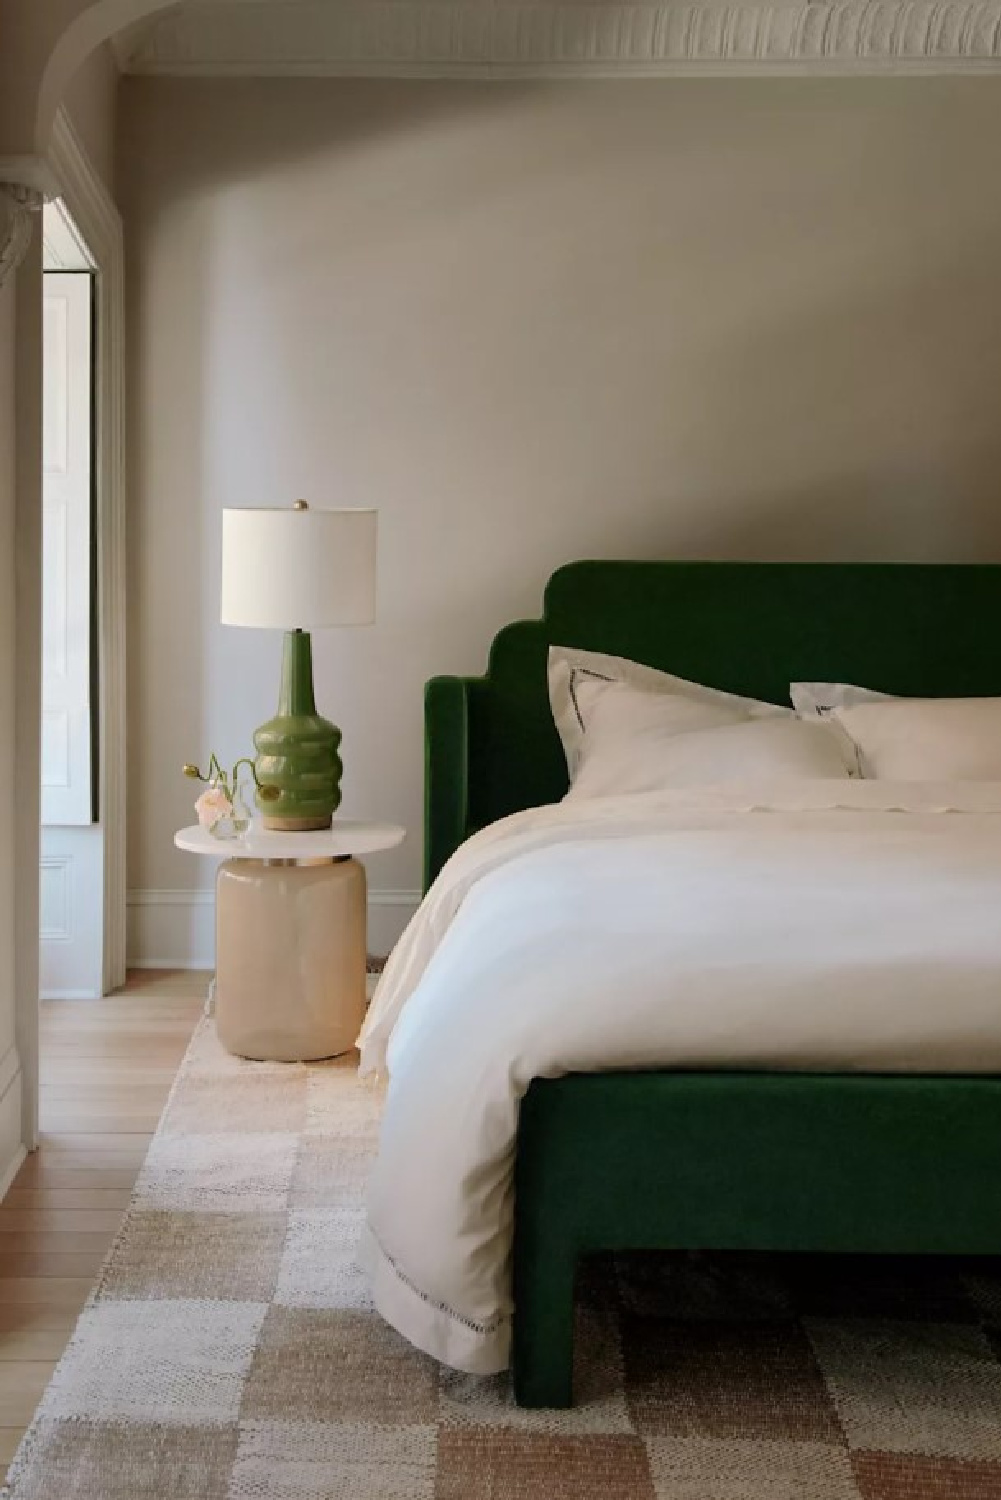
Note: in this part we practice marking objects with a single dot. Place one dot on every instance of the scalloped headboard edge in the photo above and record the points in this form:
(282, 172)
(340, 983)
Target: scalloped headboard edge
(917, 629)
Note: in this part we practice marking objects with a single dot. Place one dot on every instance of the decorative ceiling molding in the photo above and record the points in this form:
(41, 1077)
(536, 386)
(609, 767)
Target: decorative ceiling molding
(17, 205)
(568, 38)
(26, 184)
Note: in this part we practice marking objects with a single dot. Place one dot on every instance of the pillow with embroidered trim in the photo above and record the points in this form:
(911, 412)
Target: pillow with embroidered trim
(629, 728)
(909, 739)
(571, 669)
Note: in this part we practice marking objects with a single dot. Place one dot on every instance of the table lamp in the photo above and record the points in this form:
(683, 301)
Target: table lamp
(296, 570)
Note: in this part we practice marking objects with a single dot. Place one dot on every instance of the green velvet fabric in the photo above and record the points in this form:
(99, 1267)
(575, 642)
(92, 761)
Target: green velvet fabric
(922, 630)
(719, 1160)
(743, 1162)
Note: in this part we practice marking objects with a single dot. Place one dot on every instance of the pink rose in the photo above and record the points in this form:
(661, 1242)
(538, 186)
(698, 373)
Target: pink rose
(212, 805)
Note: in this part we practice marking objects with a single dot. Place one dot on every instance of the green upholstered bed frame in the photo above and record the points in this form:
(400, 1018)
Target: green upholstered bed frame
(721, 1160)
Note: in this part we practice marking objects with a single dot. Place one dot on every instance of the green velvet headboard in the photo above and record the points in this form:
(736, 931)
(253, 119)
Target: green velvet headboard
(915, 629)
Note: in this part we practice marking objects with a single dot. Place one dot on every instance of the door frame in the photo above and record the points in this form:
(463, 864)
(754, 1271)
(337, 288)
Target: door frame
(90, 206)
(92, 209)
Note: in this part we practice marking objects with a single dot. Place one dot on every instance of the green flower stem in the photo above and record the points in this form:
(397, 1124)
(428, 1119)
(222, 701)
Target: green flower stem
(227, 782)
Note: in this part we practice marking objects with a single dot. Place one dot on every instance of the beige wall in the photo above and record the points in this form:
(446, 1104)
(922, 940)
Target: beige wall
(7, 428)
(7, 665)
(20, 461)
(27, 561)
(90, 101)
(530, 323)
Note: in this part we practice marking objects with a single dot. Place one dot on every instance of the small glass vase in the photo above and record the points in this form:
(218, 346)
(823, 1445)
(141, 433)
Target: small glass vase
(234, 822)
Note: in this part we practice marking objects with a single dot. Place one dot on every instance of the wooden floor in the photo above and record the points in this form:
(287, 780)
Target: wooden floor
(106, 1068)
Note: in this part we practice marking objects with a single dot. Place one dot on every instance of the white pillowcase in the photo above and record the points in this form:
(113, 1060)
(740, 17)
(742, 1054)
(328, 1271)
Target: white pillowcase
(570, 669)
(910, 739)
(821, 697)
(628, 728)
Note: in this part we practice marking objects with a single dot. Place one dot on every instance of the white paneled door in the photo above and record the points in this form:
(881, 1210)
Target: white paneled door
(71, 865)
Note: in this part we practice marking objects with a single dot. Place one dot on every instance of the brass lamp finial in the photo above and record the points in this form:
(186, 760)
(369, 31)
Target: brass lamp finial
(300, 505)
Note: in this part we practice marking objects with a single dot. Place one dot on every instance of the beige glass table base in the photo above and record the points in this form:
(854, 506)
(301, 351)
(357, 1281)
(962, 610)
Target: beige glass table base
(290, 957)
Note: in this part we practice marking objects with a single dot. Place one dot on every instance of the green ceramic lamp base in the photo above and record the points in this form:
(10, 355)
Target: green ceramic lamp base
(297, 749)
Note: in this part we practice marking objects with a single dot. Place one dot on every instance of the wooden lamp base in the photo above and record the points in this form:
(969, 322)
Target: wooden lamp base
(294, 825)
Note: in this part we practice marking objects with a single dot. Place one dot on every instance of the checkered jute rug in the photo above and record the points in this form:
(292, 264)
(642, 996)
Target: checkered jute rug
(230, 1352)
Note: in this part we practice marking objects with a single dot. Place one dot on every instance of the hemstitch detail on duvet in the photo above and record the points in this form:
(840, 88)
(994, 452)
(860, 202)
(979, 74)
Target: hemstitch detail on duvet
(478, 1348)
(484, 1329)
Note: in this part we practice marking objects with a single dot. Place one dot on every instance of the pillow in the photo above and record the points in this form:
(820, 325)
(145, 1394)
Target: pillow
(910, 739)
(638, 741)
(570, 670)
(821, 697)
(626, 727)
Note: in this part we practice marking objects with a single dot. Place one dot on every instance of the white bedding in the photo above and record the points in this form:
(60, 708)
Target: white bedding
(823, 925)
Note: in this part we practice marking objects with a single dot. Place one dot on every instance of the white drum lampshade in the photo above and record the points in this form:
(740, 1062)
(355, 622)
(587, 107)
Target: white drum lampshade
(296, 570)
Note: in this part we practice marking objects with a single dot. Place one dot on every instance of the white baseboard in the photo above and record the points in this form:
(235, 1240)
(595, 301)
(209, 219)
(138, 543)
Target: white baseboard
(176, 929)
(66, 994)
(12, 1151)
(13, 1167)
(388, 914)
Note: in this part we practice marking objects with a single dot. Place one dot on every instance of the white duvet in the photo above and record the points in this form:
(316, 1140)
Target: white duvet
(825, 925)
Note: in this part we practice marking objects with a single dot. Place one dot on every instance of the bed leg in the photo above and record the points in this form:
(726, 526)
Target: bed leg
(543, 1333)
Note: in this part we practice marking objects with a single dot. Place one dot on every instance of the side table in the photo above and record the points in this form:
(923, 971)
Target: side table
(290, 937)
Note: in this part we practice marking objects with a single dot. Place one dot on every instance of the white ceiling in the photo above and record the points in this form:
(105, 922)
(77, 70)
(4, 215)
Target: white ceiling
(548, 38)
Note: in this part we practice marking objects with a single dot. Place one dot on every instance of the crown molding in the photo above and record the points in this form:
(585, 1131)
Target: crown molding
(568, 38)
(26, 183)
